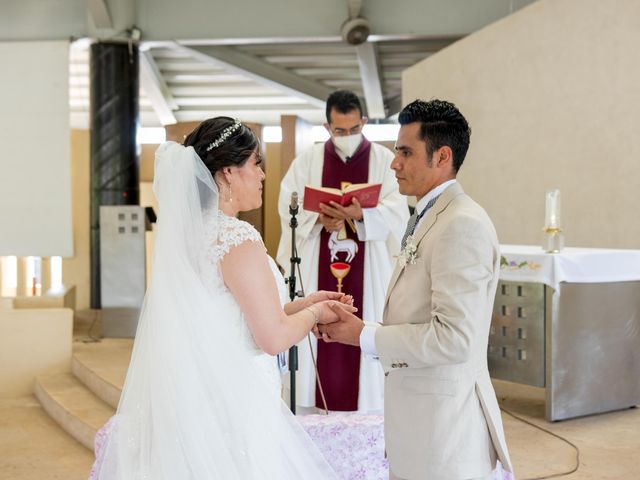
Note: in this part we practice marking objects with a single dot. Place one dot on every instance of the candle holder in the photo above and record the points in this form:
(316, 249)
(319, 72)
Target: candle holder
(553, 240)
(553, 236)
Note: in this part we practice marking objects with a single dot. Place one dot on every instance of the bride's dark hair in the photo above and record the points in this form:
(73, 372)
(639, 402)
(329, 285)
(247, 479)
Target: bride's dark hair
(234, 150)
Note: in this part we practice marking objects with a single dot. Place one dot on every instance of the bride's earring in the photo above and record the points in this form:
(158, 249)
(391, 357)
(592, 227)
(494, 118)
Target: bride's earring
(229, 199)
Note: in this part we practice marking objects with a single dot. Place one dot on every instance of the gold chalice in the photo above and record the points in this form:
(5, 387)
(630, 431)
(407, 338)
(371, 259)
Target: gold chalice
(340, 270)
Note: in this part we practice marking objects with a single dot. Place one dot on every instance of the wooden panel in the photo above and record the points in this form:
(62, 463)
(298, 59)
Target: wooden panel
(296, 137)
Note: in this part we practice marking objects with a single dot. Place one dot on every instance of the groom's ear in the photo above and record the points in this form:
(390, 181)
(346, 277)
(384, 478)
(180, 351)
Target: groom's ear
(444, 157)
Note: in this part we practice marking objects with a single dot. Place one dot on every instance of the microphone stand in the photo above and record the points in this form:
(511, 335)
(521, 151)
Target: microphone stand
(291, 280)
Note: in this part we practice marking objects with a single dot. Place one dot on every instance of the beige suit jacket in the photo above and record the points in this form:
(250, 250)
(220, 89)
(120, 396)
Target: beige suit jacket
(441, 414)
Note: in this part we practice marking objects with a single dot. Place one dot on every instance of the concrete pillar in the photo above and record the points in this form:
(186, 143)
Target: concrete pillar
(45, 275)
(114, 120)
(23, 286)
(2, 276)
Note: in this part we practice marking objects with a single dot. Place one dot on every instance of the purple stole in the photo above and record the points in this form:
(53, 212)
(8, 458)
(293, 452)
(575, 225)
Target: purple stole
(339, 365)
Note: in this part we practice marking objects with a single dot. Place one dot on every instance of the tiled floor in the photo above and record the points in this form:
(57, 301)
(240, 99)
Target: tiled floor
(609, 444)
(32, 447)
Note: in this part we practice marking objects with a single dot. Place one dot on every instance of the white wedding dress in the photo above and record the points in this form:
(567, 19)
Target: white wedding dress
(201, 401)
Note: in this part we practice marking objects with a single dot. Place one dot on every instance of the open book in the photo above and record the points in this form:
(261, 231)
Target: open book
(366, 193)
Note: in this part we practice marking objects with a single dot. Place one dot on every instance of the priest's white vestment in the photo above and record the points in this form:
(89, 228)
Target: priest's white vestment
(381, 227)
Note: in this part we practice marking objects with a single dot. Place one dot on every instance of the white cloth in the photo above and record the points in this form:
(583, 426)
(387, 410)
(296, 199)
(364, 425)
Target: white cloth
(200, 400)
(381, 228)
(368, 339)
(368, 334)
(524, 263)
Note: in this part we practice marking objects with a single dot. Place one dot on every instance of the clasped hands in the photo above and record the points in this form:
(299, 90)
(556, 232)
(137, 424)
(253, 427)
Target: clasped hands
(333, 215)
(336, 320)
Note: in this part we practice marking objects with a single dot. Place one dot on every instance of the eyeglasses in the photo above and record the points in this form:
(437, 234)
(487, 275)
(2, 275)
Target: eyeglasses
(343, 132)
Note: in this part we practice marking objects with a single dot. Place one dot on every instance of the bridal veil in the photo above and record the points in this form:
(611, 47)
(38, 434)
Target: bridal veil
(194, 406)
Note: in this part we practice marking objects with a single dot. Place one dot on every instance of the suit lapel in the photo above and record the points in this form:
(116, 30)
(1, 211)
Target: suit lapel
(394, 279)
(432, 215)
(440, 206)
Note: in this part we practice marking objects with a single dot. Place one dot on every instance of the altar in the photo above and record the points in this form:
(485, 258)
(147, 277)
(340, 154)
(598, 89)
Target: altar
(569, 322)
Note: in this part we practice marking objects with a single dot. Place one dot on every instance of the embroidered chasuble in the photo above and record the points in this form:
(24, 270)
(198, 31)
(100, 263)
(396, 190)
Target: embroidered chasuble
(341, 252)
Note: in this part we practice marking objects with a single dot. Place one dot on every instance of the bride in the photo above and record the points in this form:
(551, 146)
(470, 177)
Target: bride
(202, 395)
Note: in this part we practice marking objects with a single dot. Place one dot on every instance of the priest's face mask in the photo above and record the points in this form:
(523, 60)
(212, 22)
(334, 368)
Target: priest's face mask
(417, 172)
(346, 130)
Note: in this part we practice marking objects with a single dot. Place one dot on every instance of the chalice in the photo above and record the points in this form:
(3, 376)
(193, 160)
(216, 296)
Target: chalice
(340, 270)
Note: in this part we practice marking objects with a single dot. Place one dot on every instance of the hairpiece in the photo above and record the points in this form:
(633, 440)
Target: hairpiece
(226, 133)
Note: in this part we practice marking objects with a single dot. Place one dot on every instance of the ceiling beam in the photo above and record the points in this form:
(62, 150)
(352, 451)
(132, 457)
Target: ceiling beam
(99, 13)
(394, 105)
(156, 89)
(261, 72)
(370, 75)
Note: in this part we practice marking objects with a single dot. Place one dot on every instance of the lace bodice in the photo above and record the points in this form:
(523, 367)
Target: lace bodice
(222, 233)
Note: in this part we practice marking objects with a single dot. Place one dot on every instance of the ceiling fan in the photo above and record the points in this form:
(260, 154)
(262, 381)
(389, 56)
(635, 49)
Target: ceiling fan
(355, 30)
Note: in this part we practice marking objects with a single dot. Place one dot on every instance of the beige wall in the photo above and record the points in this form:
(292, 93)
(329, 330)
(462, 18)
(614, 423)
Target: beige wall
(76, 270)
(33, 342)
(553, 97)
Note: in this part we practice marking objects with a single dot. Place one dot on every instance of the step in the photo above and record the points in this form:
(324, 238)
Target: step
(102, 367)
(76, 409)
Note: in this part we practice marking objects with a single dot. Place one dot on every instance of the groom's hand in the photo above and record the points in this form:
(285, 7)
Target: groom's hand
(327, 311)
(346, 330)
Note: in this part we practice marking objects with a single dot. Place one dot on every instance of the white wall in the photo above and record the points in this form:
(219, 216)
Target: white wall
(552, 94)
(35, 168)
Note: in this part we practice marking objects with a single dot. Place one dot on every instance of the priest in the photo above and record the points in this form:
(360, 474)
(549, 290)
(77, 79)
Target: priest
(343, 247)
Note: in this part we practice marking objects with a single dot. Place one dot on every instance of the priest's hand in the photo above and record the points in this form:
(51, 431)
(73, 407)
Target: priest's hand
(346, 330)
(332, 224)
(353, 211)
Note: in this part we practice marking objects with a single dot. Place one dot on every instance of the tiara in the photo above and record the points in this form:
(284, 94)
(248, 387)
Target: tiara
(226, 133)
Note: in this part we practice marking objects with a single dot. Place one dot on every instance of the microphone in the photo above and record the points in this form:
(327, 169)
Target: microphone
(293, 206)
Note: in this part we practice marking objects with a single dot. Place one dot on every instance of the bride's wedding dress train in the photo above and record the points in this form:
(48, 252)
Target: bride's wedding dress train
(200, 400)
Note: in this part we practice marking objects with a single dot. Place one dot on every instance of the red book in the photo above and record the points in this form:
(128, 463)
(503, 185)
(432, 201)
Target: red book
(367, 194)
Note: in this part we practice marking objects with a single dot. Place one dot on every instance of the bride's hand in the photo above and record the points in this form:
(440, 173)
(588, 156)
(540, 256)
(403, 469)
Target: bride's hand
(326, 314)
(322, 295)
(315, 298)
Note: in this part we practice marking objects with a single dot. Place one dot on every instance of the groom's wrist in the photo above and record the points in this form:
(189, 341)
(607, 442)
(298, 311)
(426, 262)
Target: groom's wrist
(368, 339)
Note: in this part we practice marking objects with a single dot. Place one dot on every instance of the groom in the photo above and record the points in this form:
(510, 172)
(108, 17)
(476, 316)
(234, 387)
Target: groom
(442, 419)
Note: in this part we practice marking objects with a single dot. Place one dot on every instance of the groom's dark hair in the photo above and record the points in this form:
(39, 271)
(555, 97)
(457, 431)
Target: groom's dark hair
(441, 123)
(234, 150)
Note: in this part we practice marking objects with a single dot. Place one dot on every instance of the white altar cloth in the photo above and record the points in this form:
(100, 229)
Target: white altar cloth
(526, 263)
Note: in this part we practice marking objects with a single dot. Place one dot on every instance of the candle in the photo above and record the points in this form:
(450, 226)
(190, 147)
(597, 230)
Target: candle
(552, 209)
